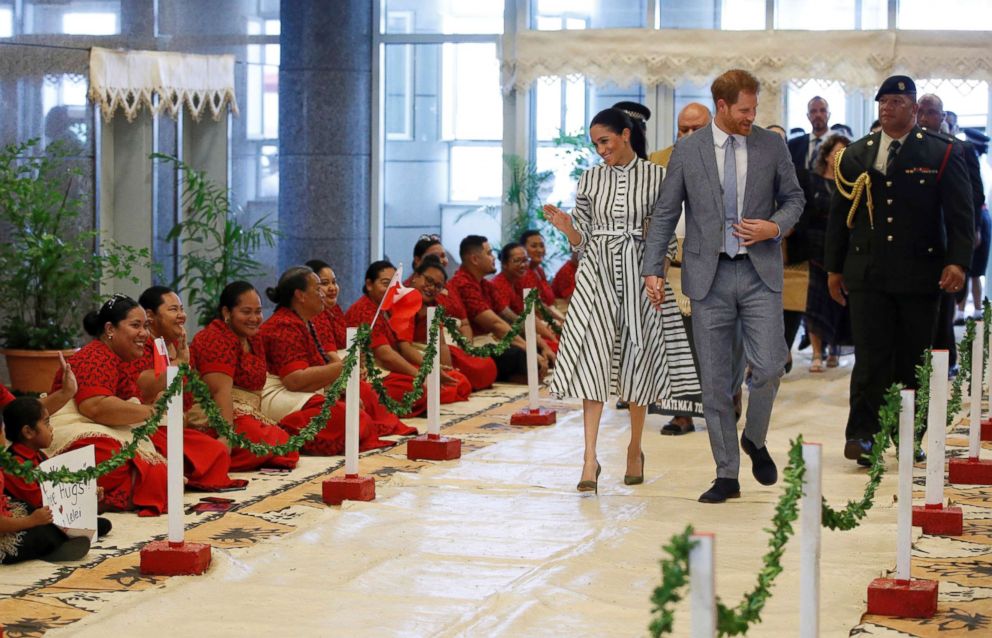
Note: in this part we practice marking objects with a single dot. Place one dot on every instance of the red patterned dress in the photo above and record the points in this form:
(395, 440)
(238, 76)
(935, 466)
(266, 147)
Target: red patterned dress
(140, 483)
(535, 277)
(17, 487)
(512, 293)
(480, 371)
(292, 344)
(335, 322)
(206, 460)
(477, 296)
(5, 396)
(563, 285)
(217, 350)
(397, 384)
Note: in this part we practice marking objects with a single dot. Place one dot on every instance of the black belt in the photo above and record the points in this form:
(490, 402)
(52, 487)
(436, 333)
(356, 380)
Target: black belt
(737, 257)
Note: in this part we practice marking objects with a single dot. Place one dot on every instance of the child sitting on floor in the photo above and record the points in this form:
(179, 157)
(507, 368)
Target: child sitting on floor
(25, 536)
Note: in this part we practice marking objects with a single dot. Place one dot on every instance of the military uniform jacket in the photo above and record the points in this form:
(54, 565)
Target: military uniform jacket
(923, 219)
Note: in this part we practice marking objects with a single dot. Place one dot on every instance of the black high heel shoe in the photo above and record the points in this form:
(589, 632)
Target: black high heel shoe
(591, 486)
(631, 479)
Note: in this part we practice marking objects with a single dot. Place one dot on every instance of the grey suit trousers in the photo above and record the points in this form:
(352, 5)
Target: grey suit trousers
(738, 301)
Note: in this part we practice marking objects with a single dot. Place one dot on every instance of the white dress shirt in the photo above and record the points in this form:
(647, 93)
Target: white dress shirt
(740, 154)
(883, 151)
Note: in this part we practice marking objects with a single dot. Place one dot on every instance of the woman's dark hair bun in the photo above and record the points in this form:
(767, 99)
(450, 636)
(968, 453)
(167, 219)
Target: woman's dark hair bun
(91, 323)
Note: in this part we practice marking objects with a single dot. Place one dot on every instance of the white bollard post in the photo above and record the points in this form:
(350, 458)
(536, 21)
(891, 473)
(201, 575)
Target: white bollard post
(988, 372)
(530, 333)
(937, 428)
(811, 516)
(351, 402)
(434, 385)
(975, 415)
(904, 539)
(702, 586)
(174, 438)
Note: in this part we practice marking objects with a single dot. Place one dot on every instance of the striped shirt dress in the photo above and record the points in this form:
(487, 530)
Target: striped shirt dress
(614, 343)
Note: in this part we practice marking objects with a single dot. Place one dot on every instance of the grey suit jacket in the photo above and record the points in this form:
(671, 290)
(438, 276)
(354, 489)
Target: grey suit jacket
(771, 192)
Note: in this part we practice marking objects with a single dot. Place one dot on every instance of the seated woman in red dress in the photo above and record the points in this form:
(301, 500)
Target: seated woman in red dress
(105, 407)
(429, 279)
(230, 356)
(332, 319)
(510, 284)
(397, 356)
(206, 460)
(563, 284)
(300, 364)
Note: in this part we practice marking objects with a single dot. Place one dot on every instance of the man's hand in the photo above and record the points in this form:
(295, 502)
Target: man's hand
(752, 231)
(655, 287)
(838, 291)
(952, 279)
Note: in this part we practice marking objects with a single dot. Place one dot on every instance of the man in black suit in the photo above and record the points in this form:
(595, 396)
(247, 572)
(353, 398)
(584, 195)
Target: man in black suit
(890, 255)
(930, 116)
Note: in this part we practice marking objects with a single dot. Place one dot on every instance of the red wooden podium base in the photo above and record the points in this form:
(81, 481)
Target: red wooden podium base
(350, 487)
(433, 447)
(939, 520)
(540, 416)
(162, 558)
(970, 471)
(904, 598)
(987, 430)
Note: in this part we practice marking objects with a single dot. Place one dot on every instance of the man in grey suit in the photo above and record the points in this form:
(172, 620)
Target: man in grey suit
(740, 192)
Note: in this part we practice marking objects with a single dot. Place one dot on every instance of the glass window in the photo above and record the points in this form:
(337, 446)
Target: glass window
(63, 101)
(471, 106)
(444, 16)
(819, 15)
(6, 21)
(962, 15)
(730, 15)
(262, 78)
(473, 169)
(76, 17)
(798, 97)
(214, 17)
(558, 15)
(969, 99)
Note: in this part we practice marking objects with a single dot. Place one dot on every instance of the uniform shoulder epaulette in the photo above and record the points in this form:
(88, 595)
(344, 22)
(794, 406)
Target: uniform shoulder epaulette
(943, 137)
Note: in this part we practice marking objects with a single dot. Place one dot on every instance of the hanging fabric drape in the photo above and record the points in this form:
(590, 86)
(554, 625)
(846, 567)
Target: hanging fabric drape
(130, 79)
(855, 59)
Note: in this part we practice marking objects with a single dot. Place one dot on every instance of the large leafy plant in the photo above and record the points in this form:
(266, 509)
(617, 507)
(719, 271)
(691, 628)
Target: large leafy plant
(219, 246)
(50, 270)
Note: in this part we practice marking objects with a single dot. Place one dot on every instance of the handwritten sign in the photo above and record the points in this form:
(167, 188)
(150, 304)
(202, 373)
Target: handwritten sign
(73, 505)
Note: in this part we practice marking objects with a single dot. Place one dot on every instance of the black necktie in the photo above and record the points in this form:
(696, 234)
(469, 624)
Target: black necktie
(893, 151)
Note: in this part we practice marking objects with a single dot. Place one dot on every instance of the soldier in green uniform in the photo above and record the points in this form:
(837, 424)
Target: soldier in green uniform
(900, 230)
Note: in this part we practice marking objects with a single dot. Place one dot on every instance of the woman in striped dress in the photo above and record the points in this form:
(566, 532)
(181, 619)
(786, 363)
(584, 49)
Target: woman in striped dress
(613, 342)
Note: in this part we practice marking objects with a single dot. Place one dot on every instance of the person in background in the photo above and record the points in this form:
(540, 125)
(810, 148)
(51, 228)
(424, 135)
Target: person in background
(430, 279)
(535, 277)
(563, 284)
(332, 319)
(510, 284)
(394, 354)
(230, 356)
(106, 407)
(28, 429)
(206, 460)
(483, 309)
(30, 536)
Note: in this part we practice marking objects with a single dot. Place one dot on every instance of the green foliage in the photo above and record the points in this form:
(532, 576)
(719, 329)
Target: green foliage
(674, 576)
(578, 148)
(523, 196)
(499, 347)
(218, 247)
(51, 271)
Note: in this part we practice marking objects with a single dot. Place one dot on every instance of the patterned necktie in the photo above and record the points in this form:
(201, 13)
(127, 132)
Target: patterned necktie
(893, 151)
(731, 244)
(813, 153)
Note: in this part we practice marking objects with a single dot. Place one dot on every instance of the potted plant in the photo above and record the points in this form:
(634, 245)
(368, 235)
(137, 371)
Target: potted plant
(50, 271)
(218, 247)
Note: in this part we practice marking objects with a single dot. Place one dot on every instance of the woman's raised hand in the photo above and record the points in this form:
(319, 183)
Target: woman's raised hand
(558, 218)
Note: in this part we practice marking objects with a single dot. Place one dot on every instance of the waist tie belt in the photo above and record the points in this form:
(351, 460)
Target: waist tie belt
(625, 242)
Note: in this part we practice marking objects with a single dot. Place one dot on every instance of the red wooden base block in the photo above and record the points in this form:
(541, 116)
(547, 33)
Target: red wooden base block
(905, 598)
(540, 416)
(162, 558)
(434, 447)
(969, 472)
(987, 430)
(939, 520)
(348, 488)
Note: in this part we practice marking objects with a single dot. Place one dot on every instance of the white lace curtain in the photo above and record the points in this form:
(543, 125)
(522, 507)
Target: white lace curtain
(129, 79)
(856, 59)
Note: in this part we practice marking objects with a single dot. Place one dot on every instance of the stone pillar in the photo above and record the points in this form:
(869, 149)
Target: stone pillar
(325, 119)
